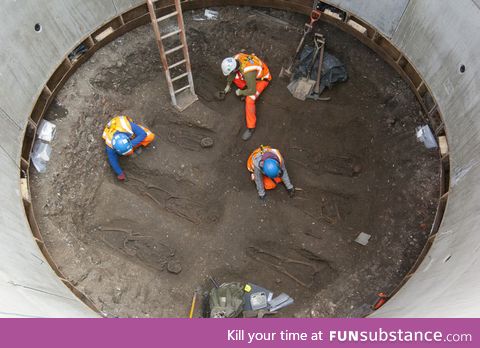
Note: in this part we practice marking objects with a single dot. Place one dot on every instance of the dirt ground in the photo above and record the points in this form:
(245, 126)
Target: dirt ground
(198, 207)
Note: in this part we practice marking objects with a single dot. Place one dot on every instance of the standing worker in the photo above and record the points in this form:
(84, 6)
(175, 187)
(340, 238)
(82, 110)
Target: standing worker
(268, 169)
(122, 137)
(251, 76)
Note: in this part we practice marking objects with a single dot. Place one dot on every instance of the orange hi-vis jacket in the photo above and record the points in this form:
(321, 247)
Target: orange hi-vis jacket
(117, 124)
(260, 151)
(250, 62)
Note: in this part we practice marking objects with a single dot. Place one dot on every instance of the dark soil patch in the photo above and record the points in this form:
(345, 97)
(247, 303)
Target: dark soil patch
(355, 158)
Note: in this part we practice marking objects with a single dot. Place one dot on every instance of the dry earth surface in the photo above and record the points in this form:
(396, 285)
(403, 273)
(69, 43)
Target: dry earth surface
(355, 158)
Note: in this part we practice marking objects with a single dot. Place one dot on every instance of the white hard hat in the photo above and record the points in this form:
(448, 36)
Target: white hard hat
(228, 65)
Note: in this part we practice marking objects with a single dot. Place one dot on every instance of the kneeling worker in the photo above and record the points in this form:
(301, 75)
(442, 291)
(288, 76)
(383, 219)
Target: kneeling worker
(122, 136)
(251, 76)
(268, 169)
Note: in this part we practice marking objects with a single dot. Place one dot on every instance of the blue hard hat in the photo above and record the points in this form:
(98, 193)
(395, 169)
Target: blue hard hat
(121, 143)
(271, 168)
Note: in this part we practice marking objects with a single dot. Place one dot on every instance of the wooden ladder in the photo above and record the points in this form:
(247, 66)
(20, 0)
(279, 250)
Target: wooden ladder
(182, 97)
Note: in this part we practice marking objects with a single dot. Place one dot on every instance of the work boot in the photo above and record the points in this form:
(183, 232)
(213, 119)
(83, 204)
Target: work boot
(248, 133)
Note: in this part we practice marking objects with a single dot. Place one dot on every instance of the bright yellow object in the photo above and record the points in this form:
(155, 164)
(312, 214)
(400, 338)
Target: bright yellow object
(117, 124)
(193, 305)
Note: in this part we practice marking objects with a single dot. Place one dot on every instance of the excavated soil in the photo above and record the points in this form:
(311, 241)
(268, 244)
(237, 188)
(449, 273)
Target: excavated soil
(356, 159)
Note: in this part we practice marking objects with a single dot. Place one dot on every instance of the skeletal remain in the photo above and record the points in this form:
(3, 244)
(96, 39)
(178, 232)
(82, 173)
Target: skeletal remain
(283, 260)
(327, 219)
(137, 179)
(115, 229)
(160, 189)
(179, 213)
(154, 199)
(311, 234)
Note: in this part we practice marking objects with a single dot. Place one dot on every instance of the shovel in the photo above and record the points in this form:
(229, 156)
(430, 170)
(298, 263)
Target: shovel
(314, 16)
(315, 95)
(302, 87)
(288, 71)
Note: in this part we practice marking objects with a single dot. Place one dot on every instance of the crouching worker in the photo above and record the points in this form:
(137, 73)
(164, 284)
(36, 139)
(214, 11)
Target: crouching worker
(268, 169)
(122, 137)
(251, 76)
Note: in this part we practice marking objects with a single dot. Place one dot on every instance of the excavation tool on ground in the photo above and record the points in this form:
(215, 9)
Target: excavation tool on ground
(194, 301)
(220, 95)
(182, 97)
(302, 87)
(315, 94)
(215, 284)
(382, 298)
(314, 17)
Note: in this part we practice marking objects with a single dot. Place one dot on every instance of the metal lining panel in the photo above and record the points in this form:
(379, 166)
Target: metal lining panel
(382, 14)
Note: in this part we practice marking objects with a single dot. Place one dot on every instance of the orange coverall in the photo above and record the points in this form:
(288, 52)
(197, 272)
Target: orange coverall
(252, 77)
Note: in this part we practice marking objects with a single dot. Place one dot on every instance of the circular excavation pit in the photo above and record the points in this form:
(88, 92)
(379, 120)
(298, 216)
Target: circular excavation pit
(189, 211)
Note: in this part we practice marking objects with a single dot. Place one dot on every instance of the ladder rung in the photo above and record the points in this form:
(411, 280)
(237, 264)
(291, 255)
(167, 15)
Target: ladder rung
(181, 89)
(174, 49)
(171, 34)
(174, 13)
(179, 76)
(177, 64)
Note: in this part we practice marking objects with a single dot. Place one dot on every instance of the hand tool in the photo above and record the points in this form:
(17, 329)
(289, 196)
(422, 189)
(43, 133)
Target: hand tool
(315, 95)
(314, 17)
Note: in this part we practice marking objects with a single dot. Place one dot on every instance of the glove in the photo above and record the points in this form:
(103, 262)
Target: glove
(122, 177)
(227, 89)
(238, 92)
(263, 198)
(291, 192)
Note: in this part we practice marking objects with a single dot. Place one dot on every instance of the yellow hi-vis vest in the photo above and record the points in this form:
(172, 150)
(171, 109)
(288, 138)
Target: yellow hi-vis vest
(117, 124)
(260, 151)
(250, 62)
